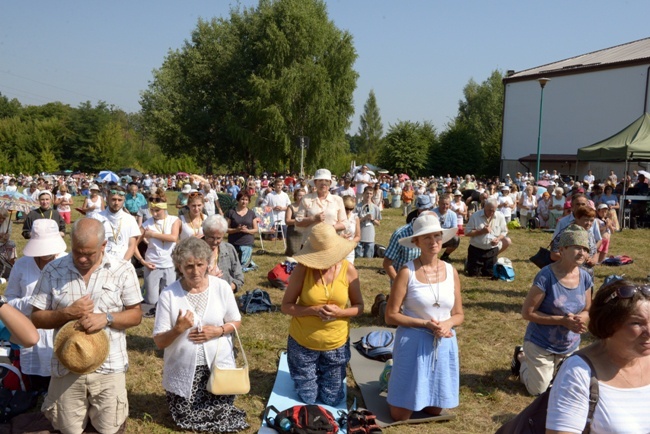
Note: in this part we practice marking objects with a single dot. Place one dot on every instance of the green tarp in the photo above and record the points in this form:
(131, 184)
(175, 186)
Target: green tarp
(631, 143)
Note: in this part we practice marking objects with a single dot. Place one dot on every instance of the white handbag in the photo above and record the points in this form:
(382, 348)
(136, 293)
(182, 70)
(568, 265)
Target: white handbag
(229, 381)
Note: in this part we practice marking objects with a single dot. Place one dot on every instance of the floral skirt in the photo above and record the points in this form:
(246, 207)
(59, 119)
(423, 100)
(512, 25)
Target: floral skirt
(204, 411)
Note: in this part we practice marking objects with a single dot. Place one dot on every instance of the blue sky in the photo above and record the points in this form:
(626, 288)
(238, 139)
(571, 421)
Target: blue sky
(417, 55)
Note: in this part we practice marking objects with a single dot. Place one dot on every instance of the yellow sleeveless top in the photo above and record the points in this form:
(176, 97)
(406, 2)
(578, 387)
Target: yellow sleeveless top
(312, 332)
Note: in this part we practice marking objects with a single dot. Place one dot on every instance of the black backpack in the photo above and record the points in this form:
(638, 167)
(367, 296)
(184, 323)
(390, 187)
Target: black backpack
(302, 419)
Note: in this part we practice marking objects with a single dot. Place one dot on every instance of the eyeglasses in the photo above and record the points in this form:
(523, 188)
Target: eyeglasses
(121, 193)
(628, 291)
(156, 199)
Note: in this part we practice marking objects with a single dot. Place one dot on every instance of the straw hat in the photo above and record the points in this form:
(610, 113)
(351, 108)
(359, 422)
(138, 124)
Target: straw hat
(45, 239)
(427, 224)
(323, 248)
(80, 352)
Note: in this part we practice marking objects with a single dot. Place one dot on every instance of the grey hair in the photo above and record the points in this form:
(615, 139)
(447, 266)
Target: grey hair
(493, 202)
(215, 223)
(83, 229)
(191, 247)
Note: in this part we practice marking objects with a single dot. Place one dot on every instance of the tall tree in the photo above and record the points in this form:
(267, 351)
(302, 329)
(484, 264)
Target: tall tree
(371, 131)
(457, 152)
(243, 89)
(481, 112)
(406, 146)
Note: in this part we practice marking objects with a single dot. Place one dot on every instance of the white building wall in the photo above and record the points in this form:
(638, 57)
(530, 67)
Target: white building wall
(579, 110)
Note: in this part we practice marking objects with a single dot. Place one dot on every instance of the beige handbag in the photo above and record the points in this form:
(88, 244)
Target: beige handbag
(229, 381)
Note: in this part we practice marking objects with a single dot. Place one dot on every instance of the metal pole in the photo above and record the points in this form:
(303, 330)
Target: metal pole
(302, 156)
(542, 83)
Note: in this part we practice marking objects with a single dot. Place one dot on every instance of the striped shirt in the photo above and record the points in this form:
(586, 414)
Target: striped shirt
(396, 252)
(112, 286)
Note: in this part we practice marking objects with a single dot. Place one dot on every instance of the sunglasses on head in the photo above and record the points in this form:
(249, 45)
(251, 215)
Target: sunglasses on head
(121, 193)
(155, 200)
(628, 291)
(194, 194)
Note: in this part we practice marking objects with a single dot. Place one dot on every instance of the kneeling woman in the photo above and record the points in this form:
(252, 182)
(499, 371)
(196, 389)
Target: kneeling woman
(322, 295)
(425, 374)
(195, 317)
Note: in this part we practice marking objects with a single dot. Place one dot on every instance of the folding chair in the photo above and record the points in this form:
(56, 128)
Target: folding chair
(268, 225)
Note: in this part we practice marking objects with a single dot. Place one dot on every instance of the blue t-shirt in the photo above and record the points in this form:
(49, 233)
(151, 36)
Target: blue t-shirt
(450, 219)
(559, 300)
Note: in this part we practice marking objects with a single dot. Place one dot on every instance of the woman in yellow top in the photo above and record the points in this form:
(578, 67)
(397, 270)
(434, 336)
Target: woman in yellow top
(322, 295)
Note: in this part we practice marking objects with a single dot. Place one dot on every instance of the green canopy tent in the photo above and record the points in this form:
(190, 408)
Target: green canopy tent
(632, 143)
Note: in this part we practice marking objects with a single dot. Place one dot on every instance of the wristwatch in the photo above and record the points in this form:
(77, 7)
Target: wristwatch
(3, 300)
(109, 319)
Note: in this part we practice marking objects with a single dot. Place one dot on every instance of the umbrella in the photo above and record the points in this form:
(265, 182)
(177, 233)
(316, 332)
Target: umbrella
(108, 176)
(544, 183)
(182, 174)
(15, 201)
(199, 178)
(644, 173)
(130, 172)
(403, 176)
(226, 202)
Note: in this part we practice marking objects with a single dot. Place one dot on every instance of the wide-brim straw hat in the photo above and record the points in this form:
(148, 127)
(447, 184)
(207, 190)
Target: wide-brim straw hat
(80, 352)
(427, 224)
(45, 239)
(323, 248)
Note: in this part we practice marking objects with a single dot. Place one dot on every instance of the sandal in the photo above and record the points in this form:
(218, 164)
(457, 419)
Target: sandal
(355, 423)
(515, 364)
(370, 422)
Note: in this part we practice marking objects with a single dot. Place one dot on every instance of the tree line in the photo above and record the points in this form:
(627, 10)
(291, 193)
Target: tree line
(236, 97)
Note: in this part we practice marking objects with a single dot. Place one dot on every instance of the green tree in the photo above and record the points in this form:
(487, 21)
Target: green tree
(371, 131)
(243, 89)
(456, 152)
(481, 112)
(406, 147)
(9, 108)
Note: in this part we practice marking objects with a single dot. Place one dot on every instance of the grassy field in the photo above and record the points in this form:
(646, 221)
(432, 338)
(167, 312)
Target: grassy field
(493, 326)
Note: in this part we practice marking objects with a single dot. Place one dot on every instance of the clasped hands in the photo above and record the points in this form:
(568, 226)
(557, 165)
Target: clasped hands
(87, 319)
(328, 312)
(440, 329)
(199, 334)
(575, 323)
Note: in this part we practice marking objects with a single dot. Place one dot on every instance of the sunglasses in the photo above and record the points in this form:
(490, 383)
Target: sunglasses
(196, 193)
(628, 291)
(155, 200)
(121, 193)
(349, 209)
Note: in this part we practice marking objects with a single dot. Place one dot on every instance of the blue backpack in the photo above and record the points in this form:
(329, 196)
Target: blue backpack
(503, 270)
(256, 301)
(377, 345)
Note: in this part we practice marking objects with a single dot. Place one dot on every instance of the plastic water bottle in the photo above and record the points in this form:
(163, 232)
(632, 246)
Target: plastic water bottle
(285, 424)
(3, 280)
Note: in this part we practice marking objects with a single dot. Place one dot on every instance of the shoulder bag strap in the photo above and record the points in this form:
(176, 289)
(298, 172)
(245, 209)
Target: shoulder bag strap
(593, 393)
(243, 353)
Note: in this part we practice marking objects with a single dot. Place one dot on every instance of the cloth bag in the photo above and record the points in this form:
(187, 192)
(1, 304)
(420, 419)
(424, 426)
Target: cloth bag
(229, 381)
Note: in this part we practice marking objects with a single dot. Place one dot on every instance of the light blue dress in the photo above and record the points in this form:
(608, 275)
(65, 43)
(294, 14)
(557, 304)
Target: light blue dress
(426, 370)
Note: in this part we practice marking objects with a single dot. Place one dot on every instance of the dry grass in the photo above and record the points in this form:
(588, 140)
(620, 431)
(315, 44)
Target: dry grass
(492, 327)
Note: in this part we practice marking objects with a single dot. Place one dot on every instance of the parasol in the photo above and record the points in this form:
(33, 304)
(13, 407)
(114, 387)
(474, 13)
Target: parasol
(644, 173)
(15, 201)
(108, 176)
(182, 174)
(226, 202)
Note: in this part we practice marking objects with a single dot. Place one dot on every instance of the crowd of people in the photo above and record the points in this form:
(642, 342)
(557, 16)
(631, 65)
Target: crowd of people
(81, 304)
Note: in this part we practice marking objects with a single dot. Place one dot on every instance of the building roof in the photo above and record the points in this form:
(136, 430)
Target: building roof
(631, 53)
(570, 158)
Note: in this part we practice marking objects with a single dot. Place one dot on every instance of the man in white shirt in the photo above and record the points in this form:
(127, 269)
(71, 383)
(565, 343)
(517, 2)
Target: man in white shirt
(488, 232)
(361, 181)
(122, 231)
(346, 189)
(589, 178)
(211, 200)
(278, 201)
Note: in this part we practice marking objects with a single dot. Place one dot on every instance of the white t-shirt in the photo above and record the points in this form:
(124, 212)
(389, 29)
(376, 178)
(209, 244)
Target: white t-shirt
(188, 230)
(505, 210)
(274, 199)
(208, 204)
(67, 198)
(361, 182)
(619, 411)
(120, 228)
(159, 252)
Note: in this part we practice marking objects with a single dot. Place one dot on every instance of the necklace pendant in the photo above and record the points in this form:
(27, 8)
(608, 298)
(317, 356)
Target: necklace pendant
(436, 304)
